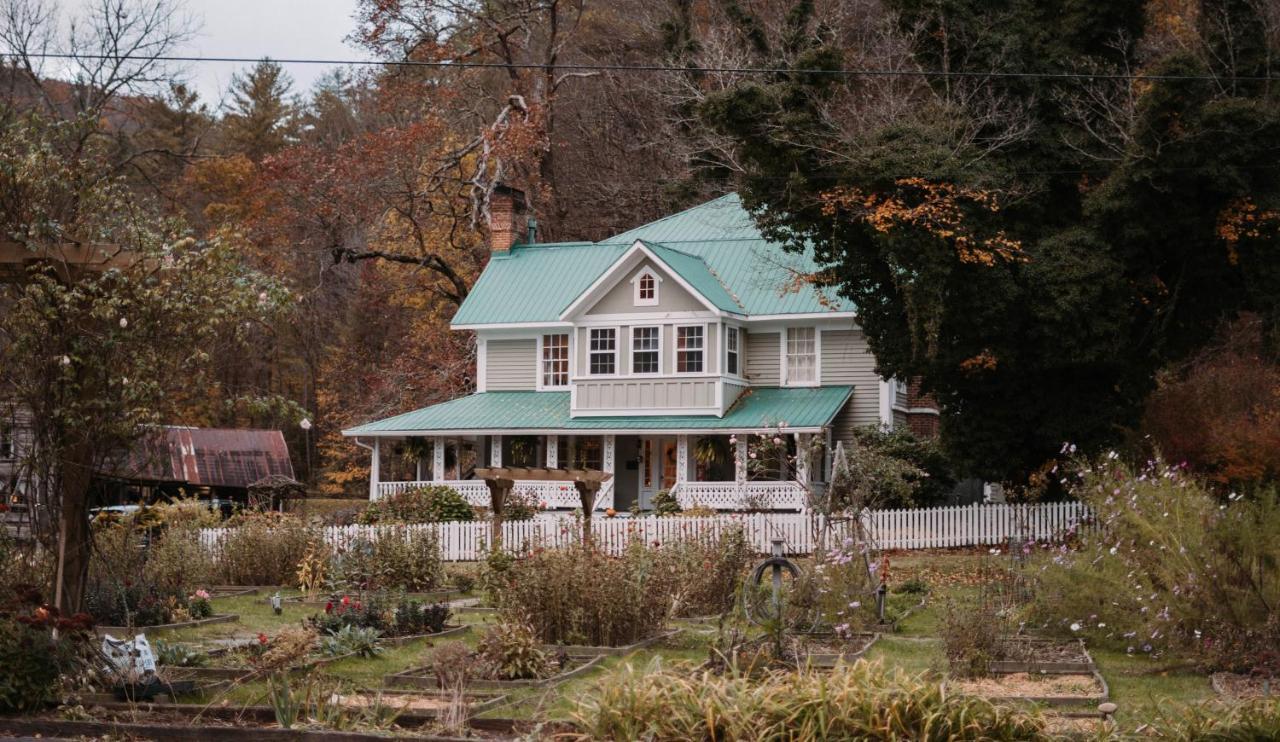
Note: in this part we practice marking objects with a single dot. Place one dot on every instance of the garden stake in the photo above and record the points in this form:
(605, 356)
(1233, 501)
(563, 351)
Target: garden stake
(277, 604)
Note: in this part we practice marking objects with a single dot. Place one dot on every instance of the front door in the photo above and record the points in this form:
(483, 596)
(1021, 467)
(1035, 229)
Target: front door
(657, 470)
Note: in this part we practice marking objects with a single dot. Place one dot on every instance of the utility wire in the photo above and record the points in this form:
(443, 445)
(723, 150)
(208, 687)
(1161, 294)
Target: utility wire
(844, 72)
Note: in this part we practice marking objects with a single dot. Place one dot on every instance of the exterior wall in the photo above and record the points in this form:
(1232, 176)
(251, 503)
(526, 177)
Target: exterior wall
(635, 394)
(847, 360)
(511, 365)
(671, 296)
(845, 422)
(731, 393)
(763, 355)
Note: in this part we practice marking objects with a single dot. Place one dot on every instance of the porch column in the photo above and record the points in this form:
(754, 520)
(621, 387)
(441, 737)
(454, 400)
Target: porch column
(553, 452)
(495, 451)
(375, 469)
(682, 459)
(608, 463)
(417, 469)
(437, 459)
(740, 462)
(802, 458)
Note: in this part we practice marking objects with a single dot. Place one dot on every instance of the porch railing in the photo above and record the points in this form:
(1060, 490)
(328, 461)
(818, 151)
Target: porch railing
(734, 496)
(549, 495)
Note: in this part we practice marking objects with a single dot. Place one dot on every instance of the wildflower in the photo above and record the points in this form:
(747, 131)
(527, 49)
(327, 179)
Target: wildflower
(328, 607)
(855, 604)
(124, 322)
(202, 594)
(1075, 626)
(262, 639)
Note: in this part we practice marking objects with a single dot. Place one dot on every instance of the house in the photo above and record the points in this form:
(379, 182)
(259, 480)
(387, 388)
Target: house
(643, 355)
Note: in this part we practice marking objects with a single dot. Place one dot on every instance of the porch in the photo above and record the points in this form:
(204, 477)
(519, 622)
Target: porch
(708, 471)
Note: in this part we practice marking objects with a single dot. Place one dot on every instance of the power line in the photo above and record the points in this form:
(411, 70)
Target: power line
(844, 72)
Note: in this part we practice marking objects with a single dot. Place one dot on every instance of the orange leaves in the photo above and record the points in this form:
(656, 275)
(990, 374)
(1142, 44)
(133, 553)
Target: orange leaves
(938, 209)
(1242, 219)
(984, 361)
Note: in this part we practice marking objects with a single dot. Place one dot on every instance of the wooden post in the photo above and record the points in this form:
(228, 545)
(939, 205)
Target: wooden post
(375, 465)
(498, 491)
(587, 495)
(553, 452)
(437, 459)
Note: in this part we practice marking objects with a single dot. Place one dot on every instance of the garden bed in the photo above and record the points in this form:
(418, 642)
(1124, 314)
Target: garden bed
(1244, 687)
(172, 674)
(1054, 690)
(133, 630)
(421, 677)
(579, 650)
(396, 641)
(1043, 656)
(826, 650)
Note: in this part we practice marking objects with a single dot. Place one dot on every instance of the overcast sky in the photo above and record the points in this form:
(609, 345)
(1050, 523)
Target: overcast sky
(256, 28)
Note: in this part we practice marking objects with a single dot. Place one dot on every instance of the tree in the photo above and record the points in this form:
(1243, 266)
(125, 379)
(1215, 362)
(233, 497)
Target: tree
(100, 352)
(261, 119)
(1033, 247)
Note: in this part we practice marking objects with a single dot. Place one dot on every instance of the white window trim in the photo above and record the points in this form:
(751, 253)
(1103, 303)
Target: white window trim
(617, 359)
(635, 288)
(631, 351)
(568, 373)
(817, 357)
(724, 360)
(675, 349)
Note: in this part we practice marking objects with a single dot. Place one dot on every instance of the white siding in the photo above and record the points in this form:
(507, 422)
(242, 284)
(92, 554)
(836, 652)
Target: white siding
(511, 365)
(763, 355)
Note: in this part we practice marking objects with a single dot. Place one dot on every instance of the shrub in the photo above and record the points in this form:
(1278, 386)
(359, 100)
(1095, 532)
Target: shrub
(709, 572)
(837, 593)
(408, 561)
(510, 651)
(433, 503)
(665, 503)
(520, 505)
(862, 701)
(263, 549)
(1170, 565)
(461, 581)
(413, 617)
(972, 633)
(372, 613)
(361, 641)
(33, 659)
(494, 574)
(135, 583)
(453, 664)
(178, 655)
(577, 595)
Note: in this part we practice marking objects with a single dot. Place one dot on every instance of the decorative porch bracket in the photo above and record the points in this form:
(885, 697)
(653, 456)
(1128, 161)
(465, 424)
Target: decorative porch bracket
(501, 480)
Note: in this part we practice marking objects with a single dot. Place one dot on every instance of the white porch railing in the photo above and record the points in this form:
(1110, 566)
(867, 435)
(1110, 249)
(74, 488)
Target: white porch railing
(552, 495)
(734, 496)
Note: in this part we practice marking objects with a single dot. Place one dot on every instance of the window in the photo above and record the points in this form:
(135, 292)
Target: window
(7, 444)
(802, 355)
(646, 284)
(731, 350)
(603, 351)
(645, 342)
(689, 350)
(555, 360)
(901, 394)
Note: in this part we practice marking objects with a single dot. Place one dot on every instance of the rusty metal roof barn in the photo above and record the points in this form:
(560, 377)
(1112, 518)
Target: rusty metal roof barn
(209, 457)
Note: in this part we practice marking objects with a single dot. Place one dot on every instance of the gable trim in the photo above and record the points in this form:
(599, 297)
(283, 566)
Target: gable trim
(616, 272)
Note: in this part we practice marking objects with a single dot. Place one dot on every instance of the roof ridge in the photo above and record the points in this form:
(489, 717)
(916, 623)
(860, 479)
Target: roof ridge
(730, 194)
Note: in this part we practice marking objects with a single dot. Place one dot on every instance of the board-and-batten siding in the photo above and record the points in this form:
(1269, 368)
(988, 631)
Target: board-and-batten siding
(763, 355)
(511, 365)
(847, 360)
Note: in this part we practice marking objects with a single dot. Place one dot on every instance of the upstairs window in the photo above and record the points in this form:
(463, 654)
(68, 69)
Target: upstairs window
(8, 436)
(646, 289)
(731, 352)
(801, 356)
(602, 356)
(555, 361)
(645, 342)
(689, 349)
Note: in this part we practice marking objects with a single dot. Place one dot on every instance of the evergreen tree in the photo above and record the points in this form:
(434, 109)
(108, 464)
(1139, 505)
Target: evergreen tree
(262, 117)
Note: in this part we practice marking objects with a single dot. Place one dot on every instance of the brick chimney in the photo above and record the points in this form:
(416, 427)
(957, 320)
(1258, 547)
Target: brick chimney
(508, 223)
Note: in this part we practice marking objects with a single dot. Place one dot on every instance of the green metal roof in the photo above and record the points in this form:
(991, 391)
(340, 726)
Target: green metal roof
(715, 247)
(757, 409)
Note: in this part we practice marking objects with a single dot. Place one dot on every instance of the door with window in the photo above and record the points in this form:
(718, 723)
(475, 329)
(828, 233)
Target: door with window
(657, 470)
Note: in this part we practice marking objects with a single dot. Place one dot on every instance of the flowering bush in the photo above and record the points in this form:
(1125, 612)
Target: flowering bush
(433, 503)
(199, 605)
(34, 661)
(372, 613)
(837, 593)
(708, 572)
(1171, 565)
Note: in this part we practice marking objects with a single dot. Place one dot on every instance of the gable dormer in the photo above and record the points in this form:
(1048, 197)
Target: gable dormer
(648, 279)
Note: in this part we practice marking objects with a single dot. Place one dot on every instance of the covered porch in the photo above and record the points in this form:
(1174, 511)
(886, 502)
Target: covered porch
(700, 459)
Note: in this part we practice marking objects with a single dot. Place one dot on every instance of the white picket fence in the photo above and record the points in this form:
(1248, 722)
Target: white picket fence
(923, 528)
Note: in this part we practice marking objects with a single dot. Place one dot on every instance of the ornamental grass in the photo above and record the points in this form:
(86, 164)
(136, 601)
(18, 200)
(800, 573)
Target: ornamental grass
(862, 701)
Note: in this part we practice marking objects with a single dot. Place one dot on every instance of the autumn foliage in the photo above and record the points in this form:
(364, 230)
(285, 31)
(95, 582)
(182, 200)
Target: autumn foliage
(1220, 413)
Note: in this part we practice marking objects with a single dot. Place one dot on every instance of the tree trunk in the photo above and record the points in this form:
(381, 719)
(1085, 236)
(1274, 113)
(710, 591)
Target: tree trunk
(498, 490)
(587, 495)
(75, 541)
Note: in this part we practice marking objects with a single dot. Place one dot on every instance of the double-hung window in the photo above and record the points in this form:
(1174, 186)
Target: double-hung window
(645, 342)
(602, 353)
(731, 351)
(555, 361)
(689, 349)
(801, 356)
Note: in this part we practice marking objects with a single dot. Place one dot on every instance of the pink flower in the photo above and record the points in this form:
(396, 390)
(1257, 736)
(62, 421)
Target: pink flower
(202, 594)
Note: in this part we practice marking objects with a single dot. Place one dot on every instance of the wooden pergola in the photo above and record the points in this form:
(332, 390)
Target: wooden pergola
(501, 480)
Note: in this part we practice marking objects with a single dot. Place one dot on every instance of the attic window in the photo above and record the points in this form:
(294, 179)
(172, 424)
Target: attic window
(646, 284)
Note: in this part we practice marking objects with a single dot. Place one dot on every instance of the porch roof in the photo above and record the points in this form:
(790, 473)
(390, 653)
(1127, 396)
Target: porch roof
(807, 409)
